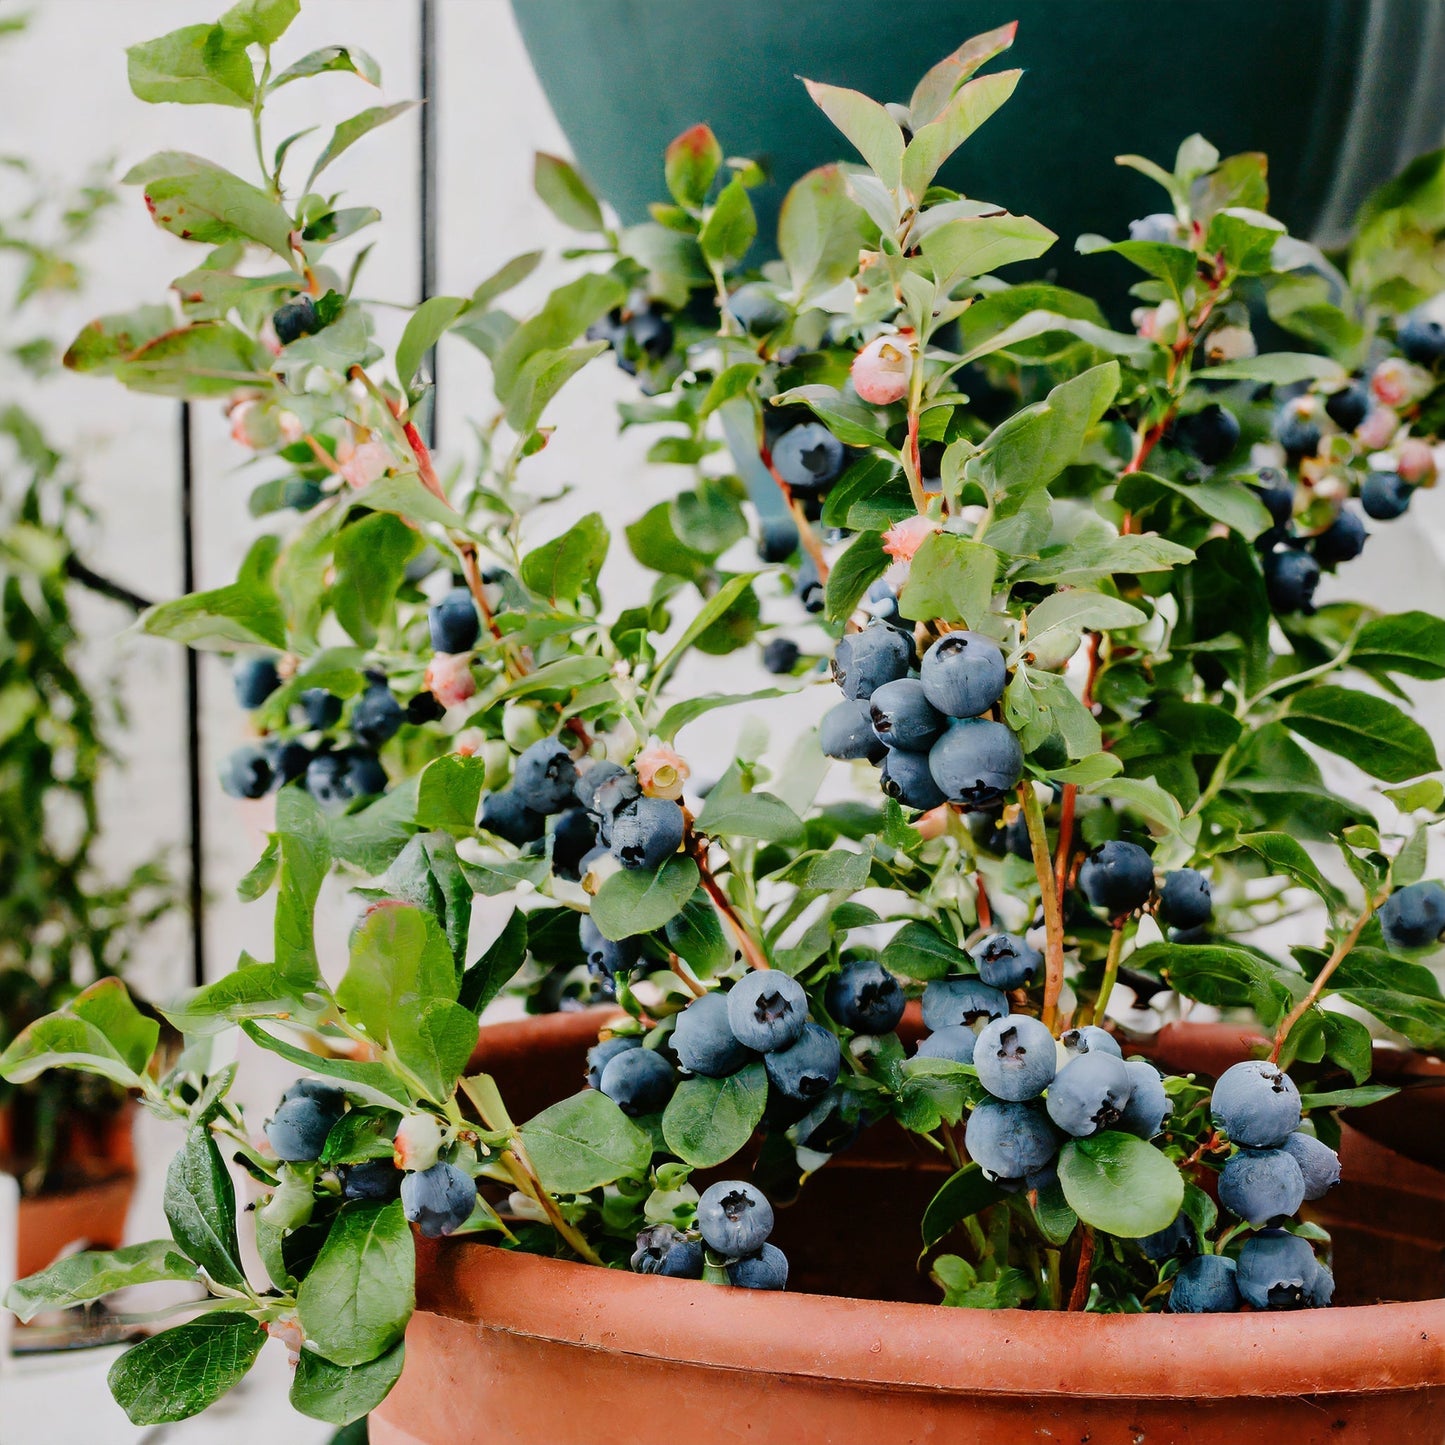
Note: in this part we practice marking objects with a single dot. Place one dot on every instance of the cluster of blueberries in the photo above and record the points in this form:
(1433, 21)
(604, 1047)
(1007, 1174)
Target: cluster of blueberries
(1274, 1168)
(734, 1220)
(921, 722)
(334, 776)
(640, 335)
(438, 1198)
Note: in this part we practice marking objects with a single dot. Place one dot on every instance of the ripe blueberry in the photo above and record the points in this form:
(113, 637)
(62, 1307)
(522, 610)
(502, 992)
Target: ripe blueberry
(664, 1249)
(371, 1179)
(767, 1269)
(591, 777)
(703, 1039)
(1261, 1184)
(1117, 877)
(1010, 1140)
(1290, 579)
(1422, 334)
(903, 717)
(646, 832)
(1175, 1239)
(453, 622)
(780, 656)
(1385, 496)
(909, 778)
(1256, 1104)
(976, 762)
(339, 778)
(1348, 406)
(376, 716)
(544, 776)
(864, 997)
(808, 1068)
(963, 674)
(866, 660)
(808, 457)
(948, 1001)
(288, 758)
(1006, 961)
(1319, 1165)
(1276, 1270)
(1148, 1105)
(638, 1081)
(1089, 1094)
(1185, 900)
(1342, 541)
(1297, 427)
(777, 539)
(297, 1130)
(1090, 1039)
(1210, 433)
(956, 1042)
(607, 957)
(1277, 494)
(438, 1200)
(254, 680)
(1414, 917)
(247, 772)
(574, 838)
(322, 708)
(1015, 1057)
(506, 814)
(295, 319)
(1205, 1285)
(767, 1010)
(846, 732)
(604, 1051)
(808, 586)
(327, 1095)
(734, 1218)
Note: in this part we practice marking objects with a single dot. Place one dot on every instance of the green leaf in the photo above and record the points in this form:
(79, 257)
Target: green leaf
(242, 614)
(932, 93)
(964, 1193)
(853, 423)
(185, 1370)
(566, 194)
(708, 1120)
(1099, 554)
(200, 1205)
(80, 1278)
(950, 578)
(1412, 643)
(680, 714)
(635, 900)
(731, 810)
(1279, 368)
(919, 951)
(1232, 503)
(540, 378)
(964, 112)
(933, 1092)
(450, 792)
(1076, 609)
(1285, 854)
(255, 991)
(424, 328)
(301, 837)
(873, 132)
(399, 955)
(1120, 1184)
(715, 609)
(108, 339)
(1223, 976)
(584, 1142)
(1428, 794)
(259, 22)
(370, 561)
(331, 57)
(1347, 1098)
(355, 1302)
(1375, 735)
(730, 227)
(977, 245)
(100, 1031)
(339, 1394)
(350, 131)
(197, 200)
(696, 935)
(496, 968)
(821, 229)
(196, 65)
(1030, 449)
(373, 1083)
(503, 279)
(563, 569)
(1420, 1020)
(1349, 1044)
(433, 1040)
(689, 165)
(1173, 265)
(869, 497)
(832, 870)
(1052, 1214)
(852, 574)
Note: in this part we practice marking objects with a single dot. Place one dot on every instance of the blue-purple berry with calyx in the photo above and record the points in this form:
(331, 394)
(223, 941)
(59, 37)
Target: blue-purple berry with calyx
(963, 674)
(949, 1001)
(1015, 1057)
(1006, 961)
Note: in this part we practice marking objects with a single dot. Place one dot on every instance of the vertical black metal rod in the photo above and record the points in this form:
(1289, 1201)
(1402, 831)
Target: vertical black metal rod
(427, 168)
(195, 834)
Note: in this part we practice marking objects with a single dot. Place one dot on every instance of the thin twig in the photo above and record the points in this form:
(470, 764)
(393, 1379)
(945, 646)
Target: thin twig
(1053, 916)
(685, 975)
(752, 950)
(1079, 1296)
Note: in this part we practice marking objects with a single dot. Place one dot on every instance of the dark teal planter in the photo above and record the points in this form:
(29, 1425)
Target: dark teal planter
(1339, 93)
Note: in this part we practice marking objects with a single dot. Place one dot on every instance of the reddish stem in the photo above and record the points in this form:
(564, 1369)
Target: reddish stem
(1080, 1294)
(1071, 790)
(981, 903)
(809, 538)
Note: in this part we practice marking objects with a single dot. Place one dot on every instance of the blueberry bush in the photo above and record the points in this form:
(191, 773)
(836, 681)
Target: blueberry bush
(1055, 578)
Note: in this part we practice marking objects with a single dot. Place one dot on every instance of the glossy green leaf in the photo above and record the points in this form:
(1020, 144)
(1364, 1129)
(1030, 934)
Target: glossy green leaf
(1364, 729)
(197, 200)
(637, 900)
(1411, 643)
(566, 567)
(965, 1193)
(491, 973)
(978, 245)
(399, 956)
(195, 65)
(584, 1142)
(339, 1394)
(731, 226)
(950, 578)
(1120, 1184)
(731, 810)
(565, 193)
(424, 328)
(100, 1031)
(186, 1369)
(821, 229)
(853, 573)
(200, 1205)
(80, 1278)
(433, 1039)
(350, 131)
(708, 1120)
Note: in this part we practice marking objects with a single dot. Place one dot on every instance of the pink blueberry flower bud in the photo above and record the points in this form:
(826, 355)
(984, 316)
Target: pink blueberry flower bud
(1377, 429)
(661, 772)
(449, 678)
(248, 424)
(882, 369)
(468, 742)
(1415, 461)
(418, 1142)
(1157, 323)
(1397, 382)
(364, 464)
(904, 538)
(288, 1330)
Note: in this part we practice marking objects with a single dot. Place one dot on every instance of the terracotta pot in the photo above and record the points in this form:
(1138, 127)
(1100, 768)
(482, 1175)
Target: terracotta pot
(508, 1347)
(101, 1151)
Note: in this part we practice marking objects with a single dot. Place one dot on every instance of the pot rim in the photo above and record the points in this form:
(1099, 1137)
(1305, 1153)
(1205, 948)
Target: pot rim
(1359, 1349)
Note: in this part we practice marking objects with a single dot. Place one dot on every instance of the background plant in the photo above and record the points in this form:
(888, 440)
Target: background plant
(448, 708)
